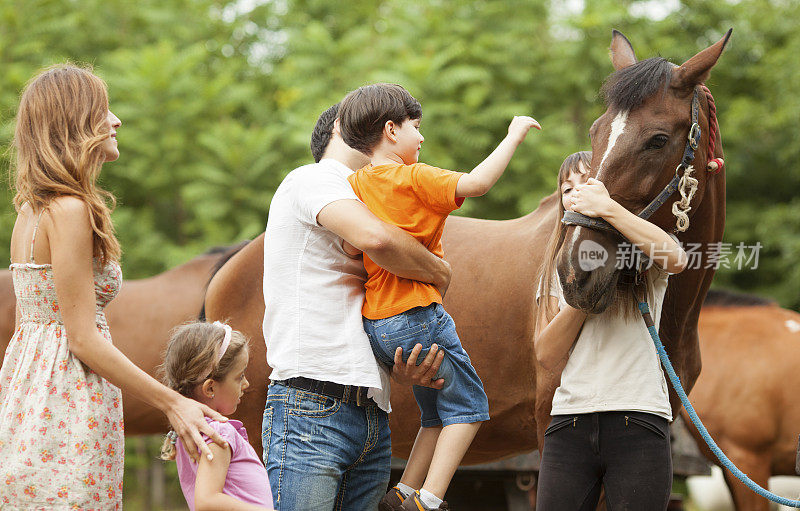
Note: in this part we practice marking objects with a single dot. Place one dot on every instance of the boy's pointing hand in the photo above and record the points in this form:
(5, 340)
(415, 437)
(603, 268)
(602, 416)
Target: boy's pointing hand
(519, 127)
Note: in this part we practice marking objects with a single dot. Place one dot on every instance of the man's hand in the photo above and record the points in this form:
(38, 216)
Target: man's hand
(409, 373)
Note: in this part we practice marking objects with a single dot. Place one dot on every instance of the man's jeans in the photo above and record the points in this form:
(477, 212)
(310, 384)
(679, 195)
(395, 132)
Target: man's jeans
(322, 454)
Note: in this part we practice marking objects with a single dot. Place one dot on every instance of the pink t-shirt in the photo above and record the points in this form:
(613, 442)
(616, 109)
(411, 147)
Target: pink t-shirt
(247, 478)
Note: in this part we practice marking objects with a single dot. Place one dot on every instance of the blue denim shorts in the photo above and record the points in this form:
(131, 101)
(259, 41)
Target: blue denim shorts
(462, 400)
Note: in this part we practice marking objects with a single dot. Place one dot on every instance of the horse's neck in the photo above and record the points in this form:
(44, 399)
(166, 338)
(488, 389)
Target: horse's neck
(708, 222)
(540, 218)
(688, 289)
(705, 229)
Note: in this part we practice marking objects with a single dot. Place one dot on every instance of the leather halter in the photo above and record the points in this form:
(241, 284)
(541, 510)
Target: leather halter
(693, 140)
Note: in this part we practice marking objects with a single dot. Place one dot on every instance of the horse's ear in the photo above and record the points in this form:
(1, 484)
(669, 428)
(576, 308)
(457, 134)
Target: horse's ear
(696, 69)
(621, 51)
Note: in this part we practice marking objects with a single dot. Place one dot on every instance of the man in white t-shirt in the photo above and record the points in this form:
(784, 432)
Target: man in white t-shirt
(326, 428)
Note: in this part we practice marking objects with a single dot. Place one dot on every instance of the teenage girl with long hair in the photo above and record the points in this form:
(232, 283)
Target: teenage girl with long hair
(611, 412)
(61, 432)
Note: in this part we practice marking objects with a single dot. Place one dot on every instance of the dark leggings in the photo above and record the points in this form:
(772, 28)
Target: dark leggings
(627, 453)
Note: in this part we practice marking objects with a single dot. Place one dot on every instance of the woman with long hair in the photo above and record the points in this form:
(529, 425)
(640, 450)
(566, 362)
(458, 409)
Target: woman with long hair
(610, 413)
(61, 431)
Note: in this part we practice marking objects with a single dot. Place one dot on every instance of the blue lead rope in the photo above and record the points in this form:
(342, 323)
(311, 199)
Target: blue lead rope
(676, 384)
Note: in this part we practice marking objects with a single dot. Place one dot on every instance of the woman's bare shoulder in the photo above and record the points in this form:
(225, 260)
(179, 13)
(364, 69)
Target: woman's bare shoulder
(68, 207)
(68, 215)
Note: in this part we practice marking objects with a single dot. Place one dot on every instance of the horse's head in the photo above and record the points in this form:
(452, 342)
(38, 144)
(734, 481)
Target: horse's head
(637, 144)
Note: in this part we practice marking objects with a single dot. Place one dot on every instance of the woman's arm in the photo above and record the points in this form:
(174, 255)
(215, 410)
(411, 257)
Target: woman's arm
(210, 480)
(592, 199)
(555, 335)
(70, 236)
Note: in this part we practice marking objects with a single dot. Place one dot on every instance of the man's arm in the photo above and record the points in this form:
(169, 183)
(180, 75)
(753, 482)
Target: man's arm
(390, 247)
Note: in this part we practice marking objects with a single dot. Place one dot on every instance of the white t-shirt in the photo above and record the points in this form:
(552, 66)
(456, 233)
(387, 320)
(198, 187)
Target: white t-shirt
(613, 365)
(312, 290)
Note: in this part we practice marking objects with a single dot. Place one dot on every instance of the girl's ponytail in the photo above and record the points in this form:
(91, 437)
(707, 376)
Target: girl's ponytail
(168, 451)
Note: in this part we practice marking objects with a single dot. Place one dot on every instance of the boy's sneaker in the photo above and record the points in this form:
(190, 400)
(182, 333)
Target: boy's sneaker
(413, 503)
(392, 501)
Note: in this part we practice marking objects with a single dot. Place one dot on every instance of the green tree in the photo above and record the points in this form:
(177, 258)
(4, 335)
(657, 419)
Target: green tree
(218, 101)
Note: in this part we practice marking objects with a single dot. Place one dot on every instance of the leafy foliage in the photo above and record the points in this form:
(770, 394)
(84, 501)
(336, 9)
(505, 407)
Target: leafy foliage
(218, 100)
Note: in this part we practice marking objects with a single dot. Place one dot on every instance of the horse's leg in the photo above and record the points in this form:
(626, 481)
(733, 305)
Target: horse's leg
(757, 466)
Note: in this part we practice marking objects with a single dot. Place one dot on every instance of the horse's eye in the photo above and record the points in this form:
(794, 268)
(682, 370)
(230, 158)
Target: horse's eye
(657, 142)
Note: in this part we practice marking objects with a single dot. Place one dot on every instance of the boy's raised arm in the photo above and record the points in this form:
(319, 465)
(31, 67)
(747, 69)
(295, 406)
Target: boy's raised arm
(388, 246)
(485, 175)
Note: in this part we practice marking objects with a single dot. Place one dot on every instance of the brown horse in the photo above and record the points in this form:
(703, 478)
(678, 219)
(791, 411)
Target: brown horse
(747, 392)
(495, 266)
(140, 319)
(637, 144)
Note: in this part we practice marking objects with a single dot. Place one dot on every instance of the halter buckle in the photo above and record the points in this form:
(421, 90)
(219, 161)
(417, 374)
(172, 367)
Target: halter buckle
(694, 131)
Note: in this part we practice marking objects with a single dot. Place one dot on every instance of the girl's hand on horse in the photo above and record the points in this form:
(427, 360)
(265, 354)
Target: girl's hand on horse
(409, 373)
(591, 199)
(187, 419)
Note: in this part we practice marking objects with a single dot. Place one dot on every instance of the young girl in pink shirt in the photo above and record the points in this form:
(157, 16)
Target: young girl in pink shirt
(207, 362)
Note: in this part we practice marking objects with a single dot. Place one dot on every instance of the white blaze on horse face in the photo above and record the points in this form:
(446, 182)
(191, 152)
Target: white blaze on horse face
(573, 246)
(617, 128)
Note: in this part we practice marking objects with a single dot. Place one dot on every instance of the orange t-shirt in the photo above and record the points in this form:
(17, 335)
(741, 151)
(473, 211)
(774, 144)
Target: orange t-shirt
(417, 198)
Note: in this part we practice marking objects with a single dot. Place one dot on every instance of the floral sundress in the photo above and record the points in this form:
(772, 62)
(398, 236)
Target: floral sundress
(61, 431)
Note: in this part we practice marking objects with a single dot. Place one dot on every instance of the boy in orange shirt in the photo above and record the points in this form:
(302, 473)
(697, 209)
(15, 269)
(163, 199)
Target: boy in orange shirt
(382, 121)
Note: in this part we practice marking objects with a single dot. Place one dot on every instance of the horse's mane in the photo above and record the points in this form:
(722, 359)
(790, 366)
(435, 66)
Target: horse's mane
(629, 87)
(226, 253)
(725, 298)
(223, 249)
